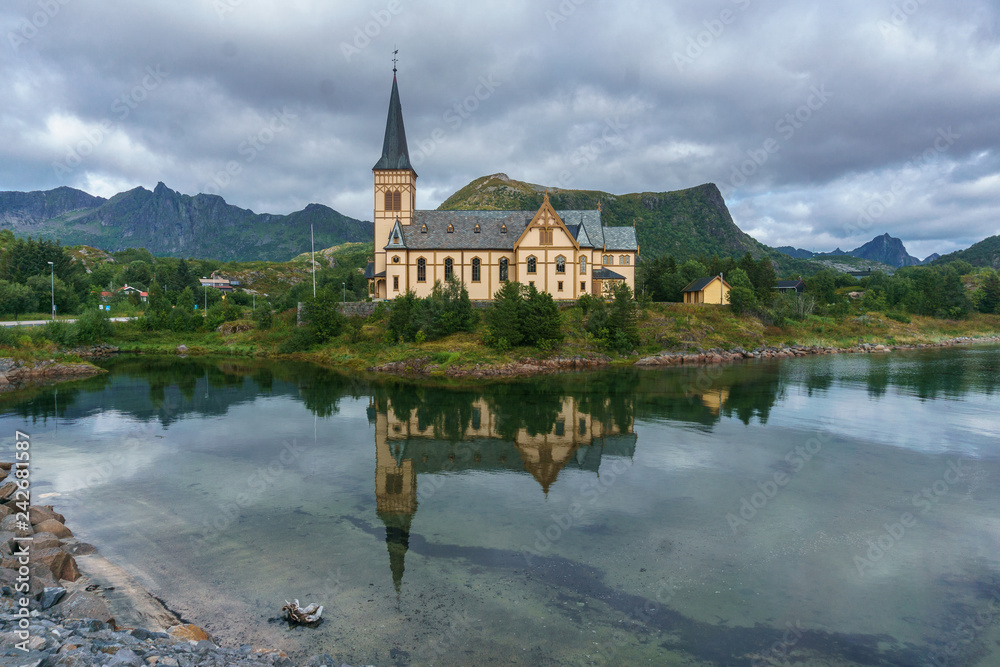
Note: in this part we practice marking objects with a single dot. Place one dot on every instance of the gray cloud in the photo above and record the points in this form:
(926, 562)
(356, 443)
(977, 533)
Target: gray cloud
(809, 116)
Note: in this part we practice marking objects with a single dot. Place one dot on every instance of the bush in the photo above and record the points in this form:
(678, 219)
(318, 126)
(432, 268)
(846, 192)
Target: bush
(263, 317)
(220, 313)
(93, 327)
(323, 316)
(743, 301)
(61, 333)
(302, 339)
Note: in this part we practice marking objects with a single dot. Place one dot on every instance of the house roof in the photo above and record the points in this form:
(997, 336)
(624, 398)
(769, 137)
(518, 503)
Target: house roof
(702, 283)
(370, 270)
(395, 154)
(585, 226)
(606, 274)
(788, 284)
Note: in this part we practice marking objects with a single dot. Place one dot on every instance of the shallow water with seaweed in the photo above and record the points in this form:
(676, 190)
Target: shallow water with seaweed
(837, 510)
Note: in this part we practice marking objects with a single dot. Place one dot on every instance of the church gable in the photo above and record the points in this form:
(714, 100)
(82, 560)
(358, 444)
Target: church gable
(546, 229)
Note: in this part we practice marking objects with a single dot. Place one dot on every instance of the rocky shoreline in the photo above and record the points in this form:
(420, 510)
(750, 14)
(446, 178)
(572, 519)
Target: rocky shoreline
(16, 374)
(53, 614)
(424, 366)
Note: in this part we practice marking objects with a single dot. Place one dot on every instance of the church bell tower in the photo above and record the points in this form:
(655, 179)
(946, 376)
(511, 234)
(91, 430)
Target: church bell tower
(395, 187)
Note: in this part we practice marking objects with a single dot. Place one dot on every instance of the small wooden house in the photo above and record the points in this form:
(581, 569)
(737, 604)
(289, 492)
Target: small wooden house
(790, 286)
(712, 290)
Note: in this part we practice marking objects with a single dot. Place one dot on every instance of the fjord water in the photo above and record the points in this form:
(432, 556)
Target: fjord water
(835, 510)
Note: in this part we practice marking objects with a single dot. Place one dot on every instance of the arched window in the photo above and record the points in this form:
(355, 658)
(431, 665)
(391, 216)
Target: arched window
(477, 229)
(532, 264)
(560, 264)
(451, 228)
(503, 269)
(388, 200)
(583, 265)
(397, 201)
(476, 269)
(503, 229)
(609, 259)
(421, 270)
(624, 259)
(449, 268)
(423, 229)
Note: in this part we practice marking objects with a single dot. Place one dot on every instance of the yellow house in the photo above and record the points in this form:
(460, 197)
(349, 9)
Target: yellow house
(565, 253)
(712, 290)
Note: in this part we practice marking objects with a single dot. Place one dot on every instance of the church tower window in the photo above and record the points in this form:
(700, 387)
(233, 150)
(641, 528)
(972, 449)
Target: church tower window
(421, 270)
(449, 268)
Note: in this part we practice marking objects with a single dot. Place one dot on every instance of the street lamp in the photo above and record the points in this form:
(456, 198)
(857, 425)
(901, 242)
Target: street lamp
(53, 290)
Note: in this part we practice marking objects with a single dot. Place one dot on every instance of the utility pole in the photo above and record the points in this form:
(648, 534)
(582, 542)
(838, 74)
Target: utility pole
(53, 290)
(312, 240)
(344, 285)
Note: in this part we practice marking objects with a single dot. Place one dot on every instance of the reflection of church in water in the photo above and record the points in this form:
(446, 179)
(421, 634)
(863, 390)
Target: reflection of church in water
(406, 447)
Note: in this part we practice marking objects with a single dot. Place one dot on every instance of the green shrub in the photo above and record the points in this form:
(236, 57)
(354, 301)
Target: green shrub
(263, 317)
(93, 327)
(899, 317)
(301, 339)
(61, 333)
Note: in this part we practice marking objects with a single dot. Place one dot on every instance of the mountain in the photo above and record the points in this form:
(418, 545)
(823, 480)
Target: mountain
(684, 223)
(883, 249)
(168, 223)
(886, 249)
(797, 253)
(984, 253)
(930, 258)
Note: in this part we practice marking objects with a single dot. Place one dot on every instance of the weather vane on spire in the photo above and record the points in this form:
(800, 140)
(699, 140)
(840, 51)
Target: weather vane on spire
(394, 60)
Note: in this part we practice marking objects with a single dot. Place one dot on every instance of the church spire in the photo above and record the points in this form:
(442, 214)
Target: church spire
(395, 155)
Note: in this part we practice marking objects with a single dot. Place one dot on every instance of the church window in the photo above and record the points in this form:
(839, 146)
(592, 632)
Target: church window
(561, 427)
(423, 229)
(478, 228)
(451, 228)
(395, 283)
(503, 269)
(583, 426)
(449, 268)
(388, 200)
(395, 259)
(531, 283)
(583, 288)
(560, 286)
(421, 270)
(476, 269)
(545, 236)
(583, 265)
(532, 264)
(624, 259)
(397, 201)
(609, 259)
(394, 483)
(503, 229)
(560, 264)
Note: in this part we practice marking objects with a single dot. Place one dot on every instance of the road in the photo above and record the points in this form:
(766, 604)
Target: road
(37, 323)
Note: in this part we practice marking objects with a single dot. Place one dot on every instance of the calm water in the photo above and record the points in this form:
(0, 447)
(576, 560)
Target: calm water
(825, 511)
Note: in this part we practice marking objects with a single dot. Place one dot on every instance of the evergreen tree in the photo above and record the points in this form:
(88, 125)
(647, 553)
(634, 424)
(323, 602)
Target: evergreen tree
(504, 317)
(989, 293)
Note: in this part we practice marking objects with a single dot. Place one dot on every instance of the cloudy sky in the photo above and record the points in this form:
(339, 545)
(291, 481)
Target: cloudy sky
(824, 124)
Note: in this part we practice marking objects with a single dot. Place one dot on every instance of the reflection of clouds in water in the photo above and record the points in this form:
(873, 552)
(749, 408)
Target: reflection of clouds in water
(118, 448)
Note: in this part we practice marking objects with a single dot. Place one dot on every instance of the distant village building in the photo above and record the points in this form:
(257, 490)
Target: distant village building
(125, 291)
(218, 283)
(712, 290)
(790, 286)
(565, 253)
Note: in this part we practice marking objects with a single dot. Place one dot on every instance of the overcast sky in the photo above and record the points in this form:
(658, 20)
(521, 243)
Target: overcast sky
(824, 124)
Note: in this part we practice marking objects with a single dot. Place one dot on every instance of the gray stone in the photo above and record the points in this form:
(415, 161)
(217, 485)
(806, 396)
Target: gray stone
(84, 605)
(124, 658)
(51, 596)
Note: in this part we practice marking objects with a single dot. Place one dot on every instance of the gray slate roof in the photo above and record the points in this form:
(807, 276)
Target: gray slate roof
(395, 154)
(584, 225)
(606, 274)
(699, 285)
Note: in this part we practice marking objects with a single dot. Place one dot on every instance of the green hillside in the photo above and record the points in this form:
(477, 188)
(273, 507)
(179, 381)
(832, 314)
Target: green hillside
(984, 253)
(684, 223)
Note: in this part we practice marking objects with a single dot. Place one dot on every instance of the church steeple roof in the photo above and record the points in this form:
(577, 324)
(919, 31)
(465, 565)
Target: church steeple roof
(395, 155)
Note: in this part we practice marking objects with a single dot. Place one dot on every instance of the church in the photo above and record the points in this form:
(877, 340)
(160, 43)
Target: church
(565, 253)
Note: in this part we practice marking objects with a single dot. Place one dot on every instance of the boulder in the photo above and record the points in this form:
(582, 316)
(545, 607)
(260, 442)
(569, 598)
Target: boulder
(45, 541)
(51, 596)
(188, 632)
(54, 527)
(60, 563)
(7, 489)
(10, 524)
(83, 605)
(39, 513)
